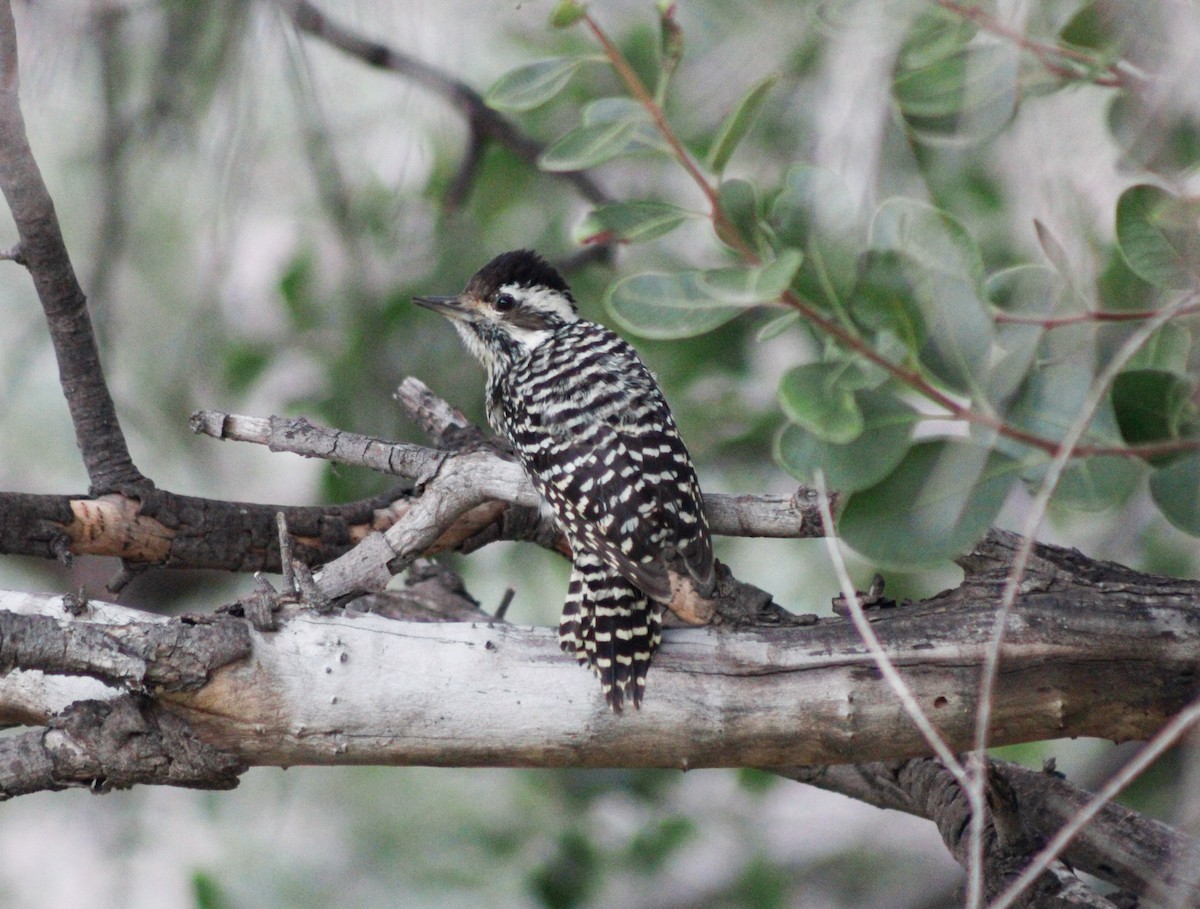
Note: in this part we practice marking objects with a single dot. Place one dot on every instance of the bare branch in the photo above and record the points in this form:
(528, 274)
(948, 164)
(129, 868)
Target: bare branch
(483, 122)
(1083, 657)
(484, 476)
(1094, 649)
(436, 417)
(97, 430)
(174, 531)
(474, 496)
(1153, 750)
(170, 654)
(112, 744)
(1120, 846)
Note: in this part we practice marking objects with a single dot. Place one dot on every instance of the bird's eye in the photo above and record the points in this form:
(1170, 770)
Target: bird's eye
(505, 302)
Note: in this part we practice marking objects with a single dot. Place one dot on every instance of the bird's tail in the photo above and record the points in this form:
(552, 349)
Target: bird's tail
(611, 626)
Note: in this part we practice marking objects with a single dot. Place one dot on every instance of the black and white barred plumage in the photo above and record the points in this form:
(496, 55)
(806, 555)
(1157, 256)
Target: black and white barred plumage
(594, 433)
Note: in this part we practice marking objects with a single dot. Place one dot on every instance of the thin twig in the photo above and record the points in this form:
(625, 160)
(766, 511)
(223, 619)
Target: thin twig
(1033, 522)
(1153, 750)
(1092, 316)
(886, 668)
(505, 602)
(93, 414)
(1118, 75)
(482, 120)
(721, 223)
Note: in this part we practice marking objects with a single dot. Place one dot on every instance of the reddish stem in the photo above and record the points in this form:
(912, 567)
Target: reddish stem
(1044, 51)
(1094, 316)
(842, 334)
(724, 227)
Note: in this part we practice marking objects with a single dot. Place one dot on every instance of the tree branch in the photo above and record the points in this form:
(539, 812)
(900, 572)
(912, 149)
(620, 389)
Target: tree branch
(1122, 847)
(97, 430)
(1094, 649)
(474, 496)
(483, 122)
(493, 476)
(174, 531)
(1084, 657)
(171, 655)
(112, 744)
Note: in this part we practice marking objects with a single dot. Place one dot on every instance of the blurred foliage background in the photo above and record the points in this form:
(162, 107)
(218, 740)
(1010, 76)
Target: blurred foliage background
(250, 211)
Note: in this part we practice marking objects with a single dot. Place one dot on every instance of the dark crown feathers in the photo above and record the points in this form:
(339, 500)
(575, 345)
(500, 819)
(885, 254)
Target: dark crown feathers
(522, 267)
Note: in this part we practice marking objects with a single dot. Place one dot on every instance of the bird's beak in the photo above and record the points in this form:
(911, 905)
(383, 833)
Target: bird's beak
(447, 306)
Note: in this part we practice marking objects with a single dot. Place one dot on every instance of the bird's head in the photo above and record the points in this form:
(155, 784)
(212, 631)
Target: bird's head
(511, 306)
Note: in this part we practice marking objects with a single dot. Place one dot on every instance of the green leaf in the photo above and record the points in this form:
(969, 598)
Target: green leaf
(666, 306)
(690, 303)
(755, 781)
(936, 504)
(588, 146)
(1097, 483)
(816, 213)
(1120, 290)
(655, 843)
(1159, 236)
(883, 301)
(244, 363)
(933, 36)
(751, 286)
(1027, 290)
(1089, 29)
(777, 326)
(1138, 34)
(1168, 349)
(815, 397)
(886, 435)
(1151, 405)
(942, 317)
(630, 222)
(1175, 488)
(933, 238)
(614, 110)
(1154, 137)
(533, 85)
(1051, 398)
(739, 204)
(207, 892)
(296, 288)
(958, 331)
(567, 13)
(950, 84)
(1053, 249)
(738, 123)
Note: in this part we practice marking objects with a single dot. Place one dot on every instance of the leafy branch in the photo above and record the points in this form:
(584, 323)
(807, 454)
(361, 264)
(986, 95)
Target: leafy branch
(905, 300)
(1064, 62)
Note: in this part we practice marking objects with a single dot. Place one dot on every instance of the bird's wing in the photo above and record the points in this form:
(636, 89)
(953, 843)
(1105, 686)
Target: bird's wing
(622, 485)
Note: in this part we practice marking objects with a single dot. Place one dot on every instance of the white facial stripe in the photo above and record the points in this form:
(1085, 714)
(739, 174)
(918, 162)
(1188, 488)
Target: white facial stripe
(527, 338)
(542, 299)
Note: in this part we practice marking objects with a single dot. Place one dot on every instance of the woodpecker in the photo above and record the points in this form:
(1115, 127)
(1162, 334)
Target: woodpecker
(591, 427)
